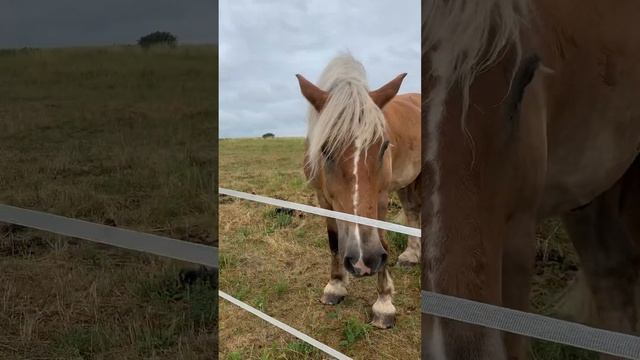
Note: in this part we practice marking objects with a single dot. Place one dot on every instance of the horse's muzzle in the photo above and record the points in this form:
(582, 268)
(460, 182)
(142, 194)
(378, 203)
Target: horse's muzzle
(365, 265)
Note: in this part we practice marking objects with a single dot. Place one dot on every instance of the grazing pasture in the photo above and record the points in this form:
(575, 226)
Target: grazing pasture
(118, 136)
(278, 262)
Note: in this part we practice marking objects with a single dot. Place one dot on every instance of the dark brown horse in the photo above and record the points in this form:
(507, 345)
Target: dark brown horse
(362, 145)
(533, 112)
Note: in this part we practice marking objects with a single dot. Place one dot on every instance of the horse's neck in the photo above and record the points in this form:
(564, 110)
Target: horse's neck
(402, 115)
(591, 96)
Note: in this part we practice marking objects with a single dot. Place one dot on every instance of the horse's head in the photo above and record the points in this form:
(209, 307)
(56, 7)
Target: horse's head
(348, 161)
(484, 162)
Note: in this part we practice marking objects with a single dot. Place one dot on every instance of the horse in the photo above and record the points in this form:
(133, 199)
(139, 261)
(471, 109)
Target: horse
(532, 112)
(362, 145)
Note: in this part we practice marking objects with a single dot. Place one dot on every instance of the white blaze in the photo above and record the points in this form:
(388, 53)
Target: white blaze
(356, 159)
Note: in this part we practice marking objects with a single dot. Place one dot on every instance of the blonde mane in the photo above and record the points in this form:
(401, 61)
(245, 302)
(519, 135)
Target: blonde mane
(463, 38)
(349, 116)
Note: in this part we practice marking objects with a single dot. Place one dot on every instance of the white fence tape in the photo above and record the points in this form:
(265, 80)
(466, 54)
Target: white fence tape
(309, 340)
(123, 238)
(491, 316)
(518, 322)
(148, 243)
(531, 325)
(324, 212)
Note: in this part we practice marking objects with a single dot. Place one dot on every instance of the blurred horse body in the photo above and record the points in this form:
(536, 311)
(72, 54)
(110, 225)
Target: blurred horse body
(533, 112)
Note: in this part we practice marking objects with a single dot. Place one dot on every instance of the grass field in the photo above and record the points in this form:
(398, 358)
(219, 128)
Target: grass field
(118, 136)
(280, 264)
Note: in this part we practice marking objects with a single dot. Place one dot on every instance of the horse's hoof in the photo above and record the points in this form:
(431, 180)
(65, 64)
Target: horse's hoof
(383, 321)
(331, 299)
(333, 293)
(384, 313)
(406, 263)
(407, 260)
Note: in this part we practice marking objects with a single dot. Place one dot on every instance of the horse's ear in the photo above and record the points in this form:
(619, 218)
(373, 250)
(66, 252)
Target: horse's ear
(386, 92)
(316, 96)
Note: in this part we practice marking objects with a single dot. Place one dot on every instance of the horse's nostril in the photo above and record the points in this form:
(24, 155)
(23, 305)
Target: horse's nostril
(357, 265)
(348, 260)
(383, 258)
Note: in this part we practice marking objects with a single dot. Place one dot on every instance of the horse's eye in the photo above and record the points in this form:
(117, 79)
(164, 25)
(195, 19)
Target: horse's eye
(384, 147)
(326, 154)
(328, 158)
(522, 79)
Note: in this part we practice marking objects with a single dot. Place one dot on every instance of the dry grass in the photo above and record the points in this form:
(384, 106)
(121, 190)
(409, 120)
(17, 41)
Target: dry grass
(280, 264)
(116, 136)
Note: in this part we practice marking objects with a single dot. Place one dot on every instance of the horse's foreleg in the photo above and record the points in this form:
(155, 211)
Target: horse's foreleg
(609, 262)
(517, 270)
(411, 255)
(410, 199)
(336, 289)
(384, 313)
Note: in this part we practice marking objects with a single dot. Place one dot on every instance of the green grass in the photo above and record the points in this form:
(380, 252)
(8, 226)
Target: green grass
(260, 302)
(292, 350)
(354, 331)
(117, 136)
(281, 287)
(301, 348)
(397, 240)
(241, 293)
(226, 260)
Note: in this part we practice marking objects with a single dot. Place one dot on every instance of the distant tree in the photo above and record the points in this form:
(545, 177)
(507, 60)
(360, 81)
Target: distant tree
(268, 136)
(158, 38)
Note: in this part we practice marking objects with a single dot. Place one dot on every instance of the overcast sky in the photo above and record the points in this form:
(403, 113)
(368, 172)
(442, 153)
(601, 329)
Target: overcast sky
(61, 23)
(263, 44)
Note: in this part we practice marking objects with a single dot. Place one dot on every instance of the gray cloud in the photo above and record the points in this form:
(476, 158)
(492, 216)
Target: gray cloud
(61, 23)
(263, 44)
